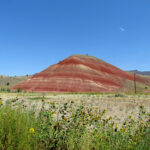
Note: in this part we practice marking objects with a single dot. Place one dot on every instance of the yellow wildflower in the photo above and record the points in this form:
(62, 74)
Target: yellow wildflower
(123, 129)
(51, 103)
(83, 103)
(65, 118)
(83, 124)
(130, 117)
(110, 117)
(141, 122)
(53, 113)
(104, 111)
(31, 130)
(116, 126)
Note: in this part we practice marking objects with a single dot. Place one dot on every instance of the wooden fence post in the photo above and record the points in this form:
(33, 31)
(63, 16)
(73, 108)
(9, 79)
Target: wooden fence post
(135, 82)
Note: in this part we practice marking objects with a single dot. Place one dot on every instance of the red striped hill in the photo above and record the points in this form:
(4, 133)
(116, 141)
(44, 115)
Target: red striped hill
(80, 73)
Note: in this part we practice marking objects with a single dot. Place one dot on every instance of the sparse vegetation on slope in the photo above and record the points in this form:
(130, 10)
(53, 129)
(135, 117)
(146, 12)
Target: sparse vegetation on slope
(8, 81)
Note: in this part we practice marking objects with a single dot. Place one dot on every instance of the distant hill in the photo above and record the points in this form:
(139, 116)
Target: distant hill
(141, 72)
(12, 80)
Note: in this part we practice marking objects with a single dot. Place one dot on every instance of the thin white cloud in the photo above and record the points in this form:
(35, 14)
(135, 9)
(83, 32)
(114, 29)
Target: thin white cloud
(122, 29)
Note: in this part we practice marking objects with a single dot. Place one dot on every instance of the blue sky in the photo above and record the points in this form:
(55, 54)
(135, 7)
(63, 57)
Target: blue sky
(35, 34)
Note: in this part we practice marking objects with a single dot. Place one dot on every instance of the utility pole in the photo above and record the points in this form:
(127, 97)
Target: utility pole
(135, 82)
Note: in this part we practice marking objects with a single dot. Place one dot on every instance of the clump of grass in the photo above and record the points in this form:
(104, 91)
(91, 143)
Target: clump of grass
(71, 127)
(14, 128)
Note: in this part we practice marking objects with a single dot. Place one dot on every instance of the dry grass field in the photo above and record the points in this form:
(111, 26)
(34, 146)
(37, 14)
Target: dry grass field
(119, 106)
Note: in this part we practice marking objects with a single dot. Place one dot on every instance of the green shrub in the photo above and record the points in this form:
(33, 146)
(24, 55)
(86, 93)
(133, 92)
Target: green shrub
(7, 83)
(19, 90)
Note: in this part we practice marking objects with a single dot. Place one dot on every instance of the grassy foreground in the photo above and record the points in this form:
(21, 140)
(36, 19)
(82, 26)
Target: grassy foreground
(70, 127)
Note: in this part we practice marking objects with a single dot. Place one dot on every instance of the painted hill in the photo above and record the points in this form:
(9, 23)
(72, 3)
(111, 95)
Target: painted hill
(81, 73)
